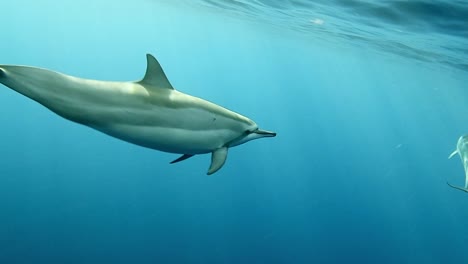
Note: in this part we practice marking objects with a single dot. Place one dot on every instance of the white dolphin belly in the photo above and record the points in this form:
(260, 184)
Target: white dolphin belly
(189, 131)
(167, 139)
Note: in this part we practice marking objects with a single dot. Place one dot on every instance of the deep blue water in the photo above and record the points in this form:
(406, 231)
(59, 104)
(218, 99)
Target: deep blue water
(368, 100)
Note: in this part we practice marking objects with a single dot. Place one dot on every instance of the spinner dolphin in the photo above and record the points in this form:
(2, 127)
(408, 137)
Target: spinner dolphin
(149, 113)
(462, 151)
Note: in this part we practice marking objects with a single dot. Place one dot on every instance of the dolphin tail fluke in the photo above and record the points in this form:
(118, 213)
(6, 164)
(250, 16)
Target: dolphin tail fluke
(453, 154)
(218, 157)
(457, 187)
(181, 158)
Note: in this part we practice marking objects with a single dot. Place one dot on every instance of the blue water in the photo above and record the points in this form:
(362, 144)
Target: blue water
(368, 100)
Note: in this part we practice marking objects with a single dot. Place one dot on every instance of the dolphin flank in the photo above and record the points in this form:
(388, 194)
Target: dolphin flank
(148, 113)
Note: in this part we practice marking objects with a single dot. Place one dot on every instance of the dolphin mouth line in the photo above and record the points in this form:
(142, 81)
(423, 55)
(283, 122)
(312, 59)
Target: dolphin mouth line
(264, 132)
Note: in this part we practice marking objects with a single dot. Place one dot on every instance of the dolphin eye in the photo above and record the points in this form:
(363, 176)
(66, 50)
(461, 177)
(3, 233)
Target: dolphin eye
(250, 131)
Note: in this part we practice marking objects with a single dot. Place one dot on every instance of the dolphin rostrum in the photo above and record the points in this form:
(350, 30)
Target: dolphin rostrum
(149, 113)
(462, 151)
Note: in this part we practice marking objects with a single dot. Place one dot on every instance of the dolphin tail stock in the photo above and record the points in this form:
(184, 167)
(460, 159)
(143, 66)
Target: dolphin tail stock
(457, 187)
(453, 154)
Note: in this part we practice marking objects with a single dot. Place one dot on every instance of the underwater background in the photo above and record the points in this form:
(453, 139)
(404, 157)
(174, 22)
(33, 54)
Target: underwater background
(368, 99)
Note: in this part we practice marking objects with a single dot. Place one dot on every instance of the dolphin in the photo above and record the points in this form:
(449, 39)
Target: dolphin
(462, 151)
(148, 113)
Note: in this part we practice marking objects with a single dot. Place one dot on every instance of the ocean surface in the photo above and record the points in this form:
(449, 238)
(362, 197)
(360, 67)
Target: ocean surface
(368, 99)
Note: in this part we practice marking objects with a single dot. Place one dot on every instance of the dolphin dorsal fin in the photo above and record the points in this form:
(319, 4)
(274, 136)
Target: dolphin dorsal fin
(154, 76)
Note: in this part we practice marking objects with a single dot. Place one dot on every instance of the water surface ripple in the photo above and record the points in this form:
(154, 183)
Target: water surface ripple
(427, 30)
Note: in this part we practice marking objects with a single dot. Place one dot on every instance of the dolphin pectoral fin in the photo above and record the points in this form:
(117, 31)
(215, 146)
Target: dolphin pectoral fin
(155, 78)
(453, 154)
(181, 158)
(218, 157)
(458, 188)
